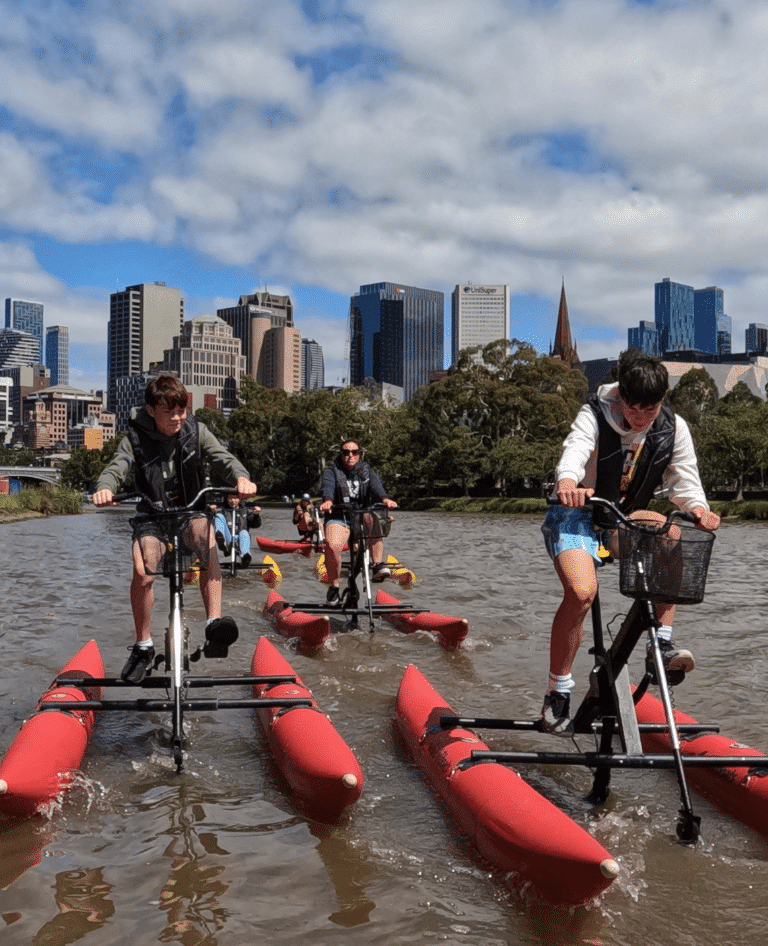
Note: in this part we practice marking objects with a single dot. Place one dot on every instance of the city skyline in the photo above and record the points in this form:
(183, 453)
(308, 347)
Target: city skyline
(309, 148)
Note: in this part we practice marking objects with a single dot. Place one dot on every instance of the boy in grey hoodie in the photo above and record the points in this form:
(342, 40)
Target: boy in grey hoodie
(166, 449)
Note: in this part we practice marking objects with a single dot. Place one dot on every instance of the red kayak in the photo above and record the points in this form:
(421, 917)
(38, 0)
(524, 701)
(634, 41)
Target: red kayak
(739, 791)
(311, 629)
(450, 631)
(317, 763)
(285, 546)
(39, 763)
(514, 827)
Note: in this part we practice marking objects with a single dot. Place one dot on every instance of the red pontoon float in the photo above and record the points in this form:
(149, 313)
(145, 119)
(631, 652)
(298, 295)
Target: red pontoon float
(317, 763)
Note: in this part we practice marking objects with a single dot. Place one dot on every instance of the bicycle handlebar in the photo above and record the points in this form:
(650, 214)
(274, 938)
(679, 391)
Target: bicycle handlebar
(639, 524)
(138, 494)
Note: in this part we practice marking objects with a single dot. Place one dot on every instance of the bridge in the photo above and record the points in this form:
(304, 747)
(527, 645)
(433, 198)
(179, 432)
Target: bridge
(45, 474)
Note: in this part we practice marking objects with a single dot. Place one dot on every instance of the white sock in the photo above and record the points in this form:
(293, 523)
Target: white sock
(663, 633)
(145, 645)
(561, 684)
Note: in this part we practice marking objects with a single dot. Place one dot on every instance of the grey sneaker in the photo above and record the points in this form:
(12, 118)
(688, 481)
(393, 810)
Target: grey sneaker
(677, 662)
(380, 572)
(556, 714)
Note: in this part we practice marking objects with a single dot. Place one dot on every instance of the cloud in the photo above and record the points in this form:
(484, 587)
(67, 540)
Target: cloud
(429, 141)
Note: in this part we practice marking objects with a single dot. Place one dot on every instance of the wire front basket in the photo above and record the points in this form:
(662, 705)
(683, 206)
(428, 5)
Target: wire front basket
(665, 565)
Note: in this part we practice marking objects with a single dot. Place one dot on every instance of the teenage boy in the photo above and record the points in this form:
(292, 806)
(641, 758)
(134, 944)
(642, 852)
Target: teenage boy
(623, 444)
(167, 449)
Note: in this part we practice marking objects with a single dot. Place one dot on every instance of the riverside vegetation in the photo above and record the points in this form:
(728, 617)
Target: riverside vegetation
(485, 438)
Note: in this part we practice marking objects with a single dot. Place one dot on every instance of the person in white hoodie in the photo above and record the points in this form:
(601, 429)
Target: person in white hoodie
(623, 444)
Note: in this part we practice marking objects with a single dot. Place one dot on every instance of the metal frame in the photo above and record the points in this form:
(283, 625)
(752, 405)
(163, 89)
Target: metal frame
(176, 680)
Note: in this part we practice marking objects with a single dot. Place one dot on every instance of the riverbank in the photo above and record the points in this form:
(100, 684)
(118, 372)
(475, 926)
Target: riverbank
(744, 510)
(33, 502)
(17, 515)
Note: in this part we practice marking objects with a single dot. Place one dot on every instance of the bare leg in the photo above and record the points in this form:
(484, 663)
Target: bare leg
(576, 570)
(210, 577)
(664, 612)
(375, 540)
(146, 549)
(335, 537)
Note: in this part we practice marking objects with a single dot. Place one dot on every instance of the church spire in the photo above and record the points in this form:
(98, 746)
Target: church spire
(564, 349)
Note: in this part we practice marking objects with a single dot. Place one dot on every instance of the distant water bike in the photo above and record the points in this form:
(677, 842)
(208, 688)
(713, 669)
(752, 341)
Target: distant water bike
(175, 660)
(658, 563)
(356, 600)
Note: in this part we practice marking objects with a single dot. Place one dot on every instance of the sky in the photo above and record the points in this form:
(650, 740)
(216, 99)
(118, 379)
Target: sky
(313, 146)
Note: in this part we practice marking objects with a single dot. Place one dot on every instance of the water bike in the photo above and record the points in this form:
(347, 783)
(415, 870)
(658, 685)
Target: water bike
(233, 561)
(170, 671)
(314, 541)
(658, 563)
(366, 525)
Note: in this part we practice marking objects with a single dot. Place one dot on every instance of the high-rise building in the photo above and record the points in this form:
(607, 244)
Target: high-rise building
(645, 338)
(724, 335)
(312, 365)
(26, 317)
(707, 311)
(756, 338)
(396, 335)
(18, 348)
(50, 413)
(271, 343)
(6, 414)
(57, 353)
(674, 316)
(479, 316)
(207, 358)
(143, 321)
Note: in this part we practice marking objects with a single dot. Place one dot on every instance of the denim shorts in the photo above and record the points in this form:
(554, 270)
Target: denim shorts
(565, 528)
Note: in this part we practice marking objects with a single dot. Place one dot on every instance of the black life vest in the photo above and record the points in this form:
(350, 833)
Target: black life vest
(362, 473)
(654, 459)
(148, 456)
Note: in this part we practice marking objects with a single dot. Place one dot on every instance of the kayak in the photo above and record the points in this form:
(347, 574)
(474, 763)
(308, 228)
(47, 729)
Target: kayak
(451, 631)
(739, 791)
(285, 546)
(49, 747)
(270, 574)
(311, 629)
(317, 763)
(513, 827)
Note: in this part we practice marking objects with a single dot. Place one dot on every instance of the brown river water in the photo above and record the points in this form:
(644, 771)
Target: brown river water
(137, 854)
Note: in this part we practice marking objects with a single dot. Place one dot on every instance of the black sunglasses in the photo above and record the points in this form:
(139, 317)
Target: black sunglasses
(350, 453)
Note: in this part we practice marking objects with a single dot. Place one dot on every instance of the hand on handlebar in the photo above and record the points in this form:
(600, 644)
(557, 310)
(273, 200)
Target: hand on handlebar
(103, 498)
(245, 487)
(389, 503)
(705, 518)
(570, 494)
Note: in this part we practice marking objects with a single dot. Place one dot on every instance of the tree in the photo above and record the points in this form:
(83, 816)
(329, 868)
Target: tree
(215, 421)
(694, 397)
(83, 468)
(733, 444)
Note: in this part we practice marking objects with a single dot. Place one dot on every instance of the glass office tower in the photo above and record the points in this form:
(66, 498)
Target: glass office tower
(396, 335)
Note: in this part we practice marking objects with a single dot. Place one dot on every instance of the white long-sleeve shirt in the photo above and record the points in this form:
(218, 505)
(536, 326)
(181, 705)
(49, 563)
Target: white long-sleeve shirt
(578, 461)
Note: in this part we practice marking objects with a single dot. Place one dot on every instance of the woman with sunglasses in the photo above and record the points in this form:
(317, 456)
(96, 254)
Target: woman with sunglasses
(350, 482)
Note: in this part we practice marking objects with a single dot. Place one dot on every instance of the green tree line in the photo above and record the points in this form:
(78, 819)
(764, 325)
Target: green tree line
(493, 426)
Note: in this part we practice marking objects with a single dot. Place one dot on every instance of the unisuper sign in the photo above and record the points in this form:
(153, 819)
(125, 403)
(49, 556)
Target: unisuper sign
(484, 290)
